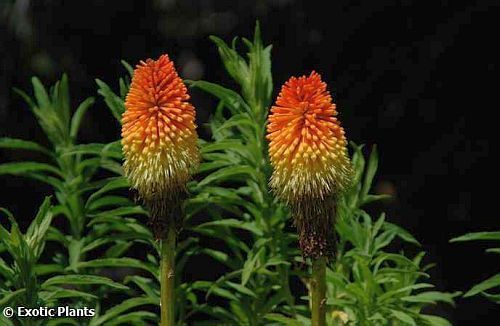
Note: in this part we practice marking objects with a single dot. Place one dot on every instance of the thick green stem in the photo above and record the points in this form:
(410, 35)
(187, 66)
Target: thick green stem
(318, 292)
(167, 278)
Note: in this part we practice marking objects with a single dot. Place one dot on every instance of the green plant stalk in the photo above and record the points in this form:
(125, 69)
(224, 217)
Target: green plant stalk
(167, 278)
(318, 292)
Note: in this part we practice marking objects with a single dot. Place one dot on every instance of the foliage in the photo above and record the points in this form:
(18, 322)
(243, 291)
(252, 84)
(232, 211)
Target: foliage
(26, 282)
(231, 217)
(492, 283)
(258, 250)
(94, 215)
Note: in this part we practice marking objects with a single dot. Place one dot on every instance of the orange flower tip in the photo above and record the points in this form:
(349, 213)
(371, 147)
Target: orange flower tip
(307, 145)
(158, 130)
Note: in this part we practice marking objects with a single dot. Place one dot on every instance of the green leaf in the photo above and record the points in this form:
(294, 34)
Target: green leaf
(136, 317)
(229, 173)
(249, 266)
(75, 249)
(282, 319)
(113, 101)
(121, 308)
(490, 283)
(14, 143)
(435, 320)
(122, 211)
(370, 172)
(242, 289)
(119, 262)
(78, 116)
(401, 233)
(81, 279)
(147, 285)
(4, 321)
(404, 317)
(40, 93)
(60, 95)
(107, 201)
(432, 297)
(45, 269)
(10, 297)
(478, 236)
(112, 184)
(111, 150)
(235, 65)
(233, 101)
(22, 168)
(55, 294)
(127, 66)
(220, 256)
(234, 223)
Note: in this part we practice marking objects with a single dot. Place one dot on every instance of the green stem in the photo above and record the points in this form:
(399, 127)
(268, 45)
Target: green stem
(167, 278)
(318, 292)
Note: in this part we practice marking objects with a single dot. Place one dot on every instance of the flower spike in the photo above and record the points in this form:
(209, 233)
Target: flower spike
(159, 138)
(308, 151)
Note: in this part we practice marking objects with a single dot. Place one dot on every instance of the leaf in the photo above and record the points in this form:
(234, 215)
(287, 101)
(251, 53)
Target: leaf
(435, 320)
(119, 262)
(282, 319)
(234, 223)
(74, 251)
(60, 99)
(78, 116)
(242, 289)
(81, 279)
(235, 65)
(401, 233)
(54, 294)
(370, 172)
(21, 168)
(14, 143)
(136, 317)
(477, 236)
(431, 297)
(10, 297)
(122, 307)
(112, 184)
(487, 284)
(42, 220)
(127, 66)
(228, 173)
(4, 321)
(109, 201)
(220, 256)
(37, 231)
(112, 150)
(5, 270)
(147, 285)
(44, 269)
(249, 266)
(113, 101)
(40, 93)
(122, 211)
(233, 101)
(404, 317)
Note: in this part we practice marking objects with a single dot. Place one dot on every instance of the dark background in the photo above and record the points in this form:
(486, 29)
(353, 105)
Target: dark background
(417, 78)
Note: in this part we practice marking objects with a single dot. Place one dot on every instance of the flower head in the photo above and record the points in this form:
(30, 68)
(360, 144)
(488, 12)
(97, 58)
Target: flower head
(159, 132)
(308, 151)
(307, 145)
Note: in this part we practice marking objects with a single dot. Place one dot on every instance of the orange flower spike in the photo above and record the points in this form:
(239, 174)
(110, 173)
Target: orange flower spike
(307, 145)
(158, 132)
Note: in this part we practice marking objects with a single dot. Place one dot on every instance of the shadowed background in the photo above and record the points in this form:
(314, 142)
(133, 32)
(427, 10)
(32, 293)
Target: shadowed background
(417, 79)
